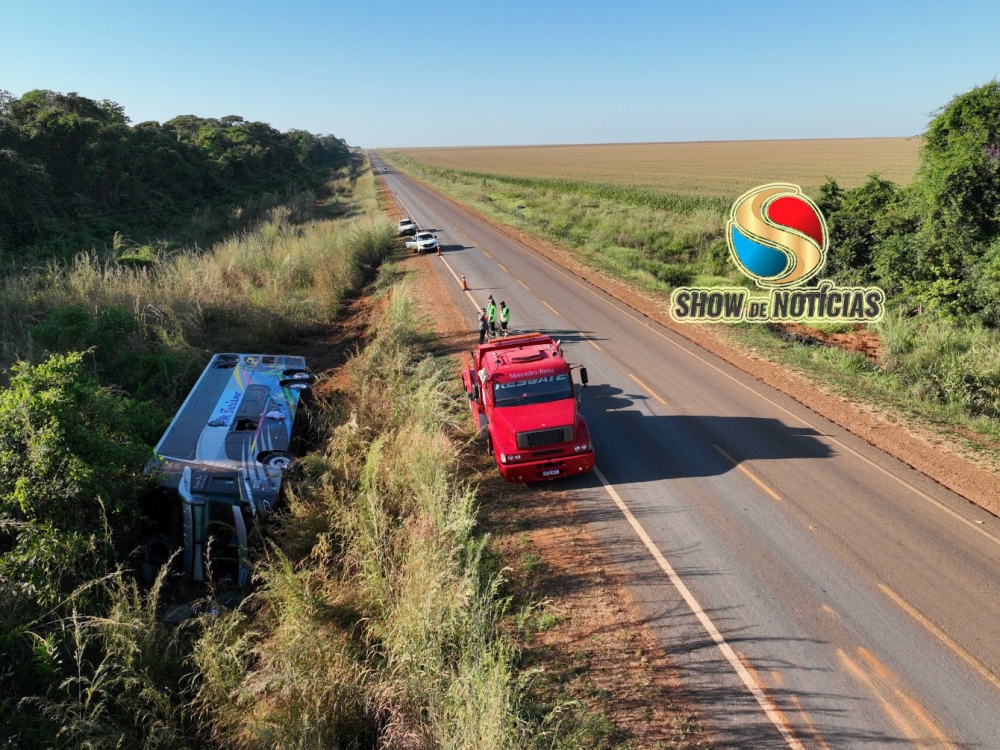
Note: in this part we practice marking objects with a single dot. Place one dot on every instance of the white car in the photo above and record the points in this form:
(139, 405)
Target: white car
(407, 226)
(423, 242)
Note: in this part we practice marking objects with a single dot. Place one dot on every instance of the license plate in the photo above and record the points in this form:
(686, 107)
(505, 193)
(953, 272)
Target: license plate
(550, 473)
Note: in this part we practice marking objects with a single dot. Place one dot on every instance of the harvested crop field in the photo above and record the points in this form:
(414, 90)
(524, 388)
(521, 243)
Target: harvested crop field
(711, 168)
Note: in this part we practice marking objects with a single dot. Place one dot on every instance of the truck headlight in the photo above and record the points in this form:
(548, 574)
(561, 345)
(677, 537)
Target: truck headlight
(503, 458)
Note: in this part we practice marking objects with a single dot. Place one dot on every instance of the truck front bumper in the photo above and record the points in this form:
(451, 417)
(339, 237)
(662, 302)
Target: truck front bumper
(546, 469)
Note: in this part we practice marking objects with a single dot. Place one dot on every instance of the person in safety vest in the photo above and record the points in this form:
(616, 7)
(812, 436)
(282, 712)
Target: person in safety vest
(491, 315)
(504, 317)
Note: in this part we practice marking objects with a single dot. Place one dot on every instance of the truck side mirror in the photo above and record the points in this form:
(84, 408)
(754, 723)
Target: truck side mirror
(583, 376)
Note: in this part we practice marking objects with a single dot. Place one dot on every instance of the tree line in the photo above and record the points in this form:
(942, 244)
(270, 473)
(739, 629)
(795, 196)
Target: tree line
(74, 170)
(934, 245)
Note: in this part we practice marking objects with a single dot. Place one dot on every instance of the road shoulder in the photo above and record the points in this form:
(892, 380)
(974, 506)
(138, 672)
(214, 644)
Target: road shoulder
(583, 635)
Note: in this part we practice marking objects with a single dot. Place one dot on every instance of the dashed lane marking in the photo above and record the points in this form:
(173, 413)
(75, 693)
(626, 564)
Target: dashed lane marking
(748, 473)
(941, 636)
(648, 390)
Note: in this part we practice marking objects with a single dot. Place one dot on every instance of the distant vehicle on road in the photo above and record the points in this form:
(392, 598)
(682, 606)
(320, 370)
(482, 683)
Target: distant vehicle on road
(385, 169)
(423, 242)
(407, 227)
(523, 399)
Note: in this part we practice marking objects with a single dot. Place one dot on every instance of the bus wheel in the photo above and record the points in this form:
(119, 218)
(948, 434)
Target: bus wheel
(280, 460)
(299, 375)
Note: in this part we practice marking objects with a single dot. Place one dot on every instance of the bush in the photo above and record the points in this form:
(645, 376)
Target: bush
(71, 450)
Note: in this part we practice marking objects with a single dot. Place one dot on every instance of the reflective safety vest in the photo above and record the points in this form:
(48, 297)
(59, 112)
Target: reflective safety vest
(491, 313)
(504, 314)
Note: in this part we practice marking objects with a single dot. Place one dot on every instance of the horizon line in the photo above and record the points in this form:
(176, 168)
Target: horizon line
(653, 143)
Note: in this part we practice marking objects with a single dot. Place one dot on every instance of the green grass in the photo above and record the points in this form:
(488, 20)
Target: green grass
(153, 316)
(941, 373)
(547, 621)
(651, 240)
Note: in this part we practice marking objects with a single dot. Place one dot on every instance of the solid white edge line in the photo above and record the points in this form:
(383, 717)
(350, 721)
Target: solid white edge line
(467, 292)
(704, 619)
(446, 263)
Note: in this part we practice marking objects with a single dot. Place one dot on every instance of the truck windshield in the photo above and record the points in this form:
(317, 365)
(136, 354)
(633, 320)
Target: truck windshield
(532, 391)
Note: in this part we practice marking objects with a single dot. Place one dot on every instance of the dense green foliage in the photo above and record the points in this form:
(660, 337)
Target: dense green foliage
(71, 460)
(73, 170)
(71, 452)
(84, 657)
(936, 243)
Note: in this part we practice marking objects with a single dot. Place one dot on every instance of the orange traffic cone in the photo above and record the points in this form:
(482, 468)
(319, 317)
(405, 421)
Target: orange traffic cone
(465, 287)
(439, 249)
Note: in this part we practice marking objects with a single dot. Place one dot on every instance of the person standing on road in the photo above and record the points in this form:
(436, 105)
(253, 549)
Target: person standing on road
(491, 315)
(504, 315)
(482, 324)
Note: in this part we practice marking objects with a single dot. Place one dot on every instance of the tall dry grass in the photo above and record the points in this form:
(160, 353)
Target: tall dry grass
(257, 289)
(106, 671)
(383, 625)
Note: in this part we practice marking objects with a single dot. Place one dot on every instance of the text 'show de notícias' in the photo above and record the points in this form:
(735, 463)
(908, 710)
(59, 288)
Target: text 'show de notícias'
(824, 302)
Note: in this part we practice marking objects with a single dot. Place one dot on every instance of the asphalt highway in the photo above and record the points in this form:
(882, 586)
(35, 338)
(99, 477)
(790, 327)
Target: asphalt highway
(811, 590)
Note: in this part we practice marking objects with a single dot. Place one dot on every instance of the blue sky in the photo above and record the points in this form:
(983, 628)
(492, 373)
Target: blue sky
(449, 73)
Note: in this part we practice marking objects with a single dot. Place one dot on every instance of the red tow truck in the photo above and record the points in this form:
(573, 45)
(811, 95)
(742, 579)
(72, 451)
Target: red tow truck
(523, 399)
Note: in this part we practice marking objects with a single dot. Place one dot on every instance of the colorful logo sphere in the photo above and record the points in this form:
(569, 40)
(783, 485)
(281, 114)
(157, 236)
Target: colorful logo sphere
(777, 236)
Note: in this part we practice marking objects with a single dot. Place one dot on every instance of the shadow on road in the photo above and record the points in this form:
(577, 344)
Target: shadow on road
(639, 446)
(706, 681)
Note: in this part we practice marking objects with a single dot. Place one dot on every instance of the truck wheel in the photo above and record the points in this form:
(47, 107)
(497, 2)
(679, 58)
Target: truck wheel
(280, 460)
(489, 446)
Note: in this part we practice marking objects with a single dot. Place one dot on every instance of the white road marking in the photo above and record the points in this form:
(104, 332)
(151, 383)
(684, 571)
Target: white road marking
(706, 622)
(917, 491)
(475, 305)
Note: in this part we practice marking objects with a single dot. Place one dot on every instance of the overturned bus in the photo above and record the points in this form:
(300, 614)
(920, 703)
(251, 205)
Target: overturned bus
(219, 464)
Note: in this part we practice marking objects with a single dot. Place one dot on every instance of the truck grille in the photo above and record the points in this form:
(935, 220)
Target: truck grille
(544, 437)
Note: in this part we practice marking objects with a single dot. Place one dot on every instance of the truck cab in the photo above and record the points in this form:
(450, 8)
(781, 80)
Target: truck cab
(524, 401)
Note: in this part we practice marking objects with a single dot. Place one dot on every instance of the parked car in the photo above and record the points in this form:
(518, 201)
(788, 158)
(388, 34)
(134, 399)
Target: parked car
(407, 227)
(423, 242)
